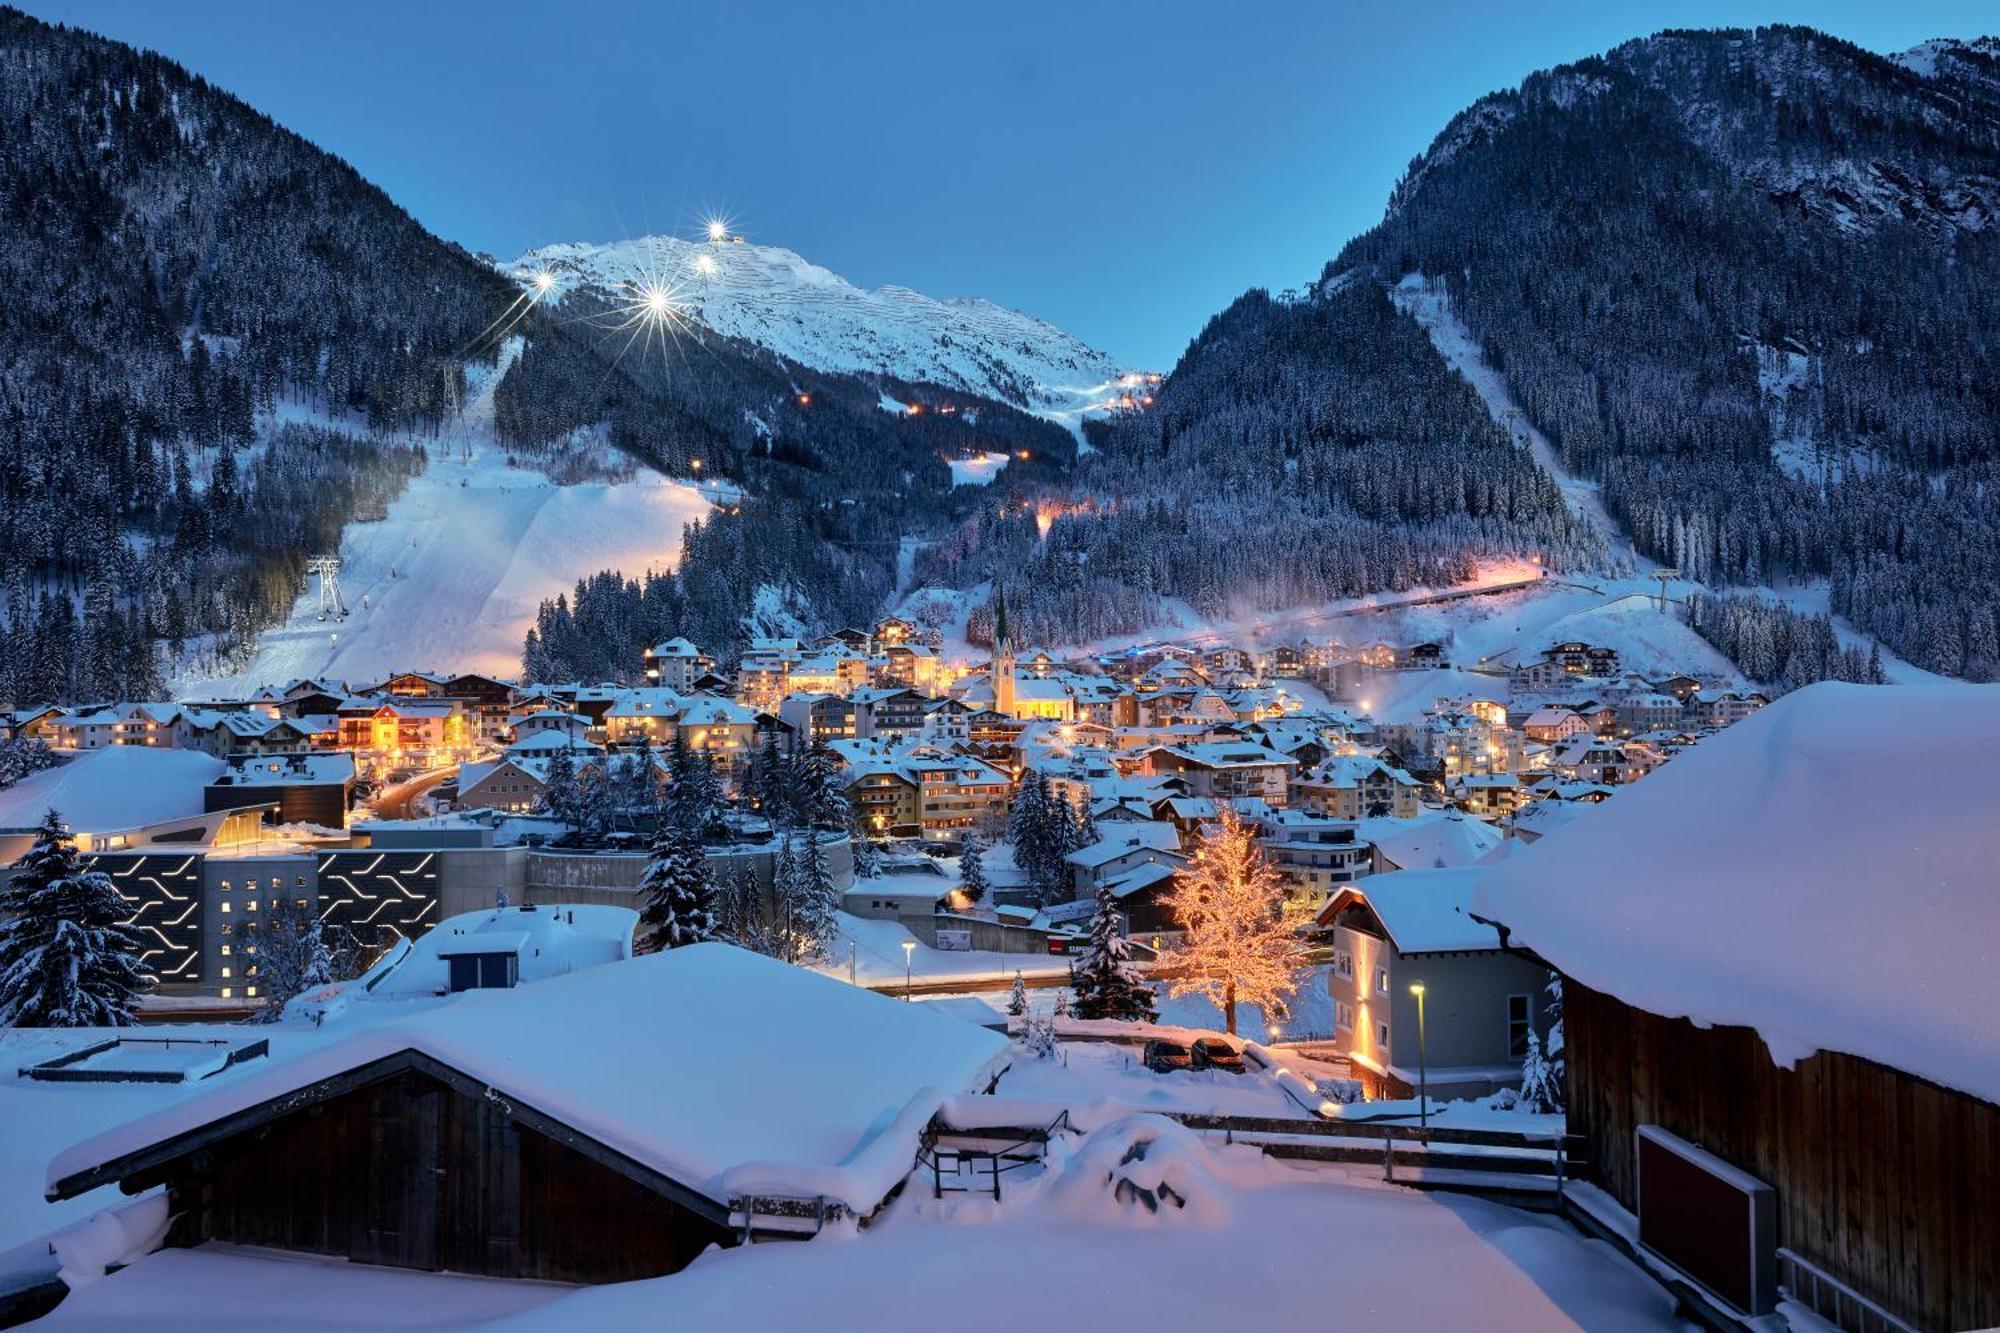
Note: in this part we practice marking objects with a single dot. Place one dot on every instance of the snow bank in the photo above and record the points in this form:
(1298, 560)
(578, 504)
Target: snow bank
(1821, 872)
(120, 787)
(109, 1239)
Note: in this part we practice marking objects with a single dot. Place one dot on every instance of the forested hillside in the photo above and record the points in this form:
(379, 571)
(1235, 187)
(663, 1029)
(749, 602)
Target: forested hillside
(1744, 279)
(174, 264)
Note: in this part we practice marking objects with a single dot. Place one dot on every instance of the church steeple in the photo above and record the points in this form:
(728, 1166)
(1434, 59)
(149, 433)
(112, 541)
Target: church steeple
(1002, 671)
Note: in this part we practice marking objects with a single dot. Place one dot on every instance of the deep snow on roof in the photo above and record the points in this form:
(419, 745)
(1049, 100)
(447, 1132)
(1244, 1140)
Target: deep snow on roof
(119, 787)
(722, 1069)
(1824, 872)
(1425, 911)
(1430, 841)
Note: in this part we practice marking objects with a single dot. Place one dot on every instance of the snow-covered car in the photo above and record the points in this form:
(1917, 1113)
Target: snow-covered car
(1215, 1053)
(1163, 1057)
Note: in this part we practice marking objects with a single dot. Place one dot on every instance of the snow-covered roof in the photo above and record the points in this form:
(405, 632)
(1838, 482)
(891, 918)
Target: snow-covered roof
(668, 1059)
(1822, 871)
(1425, 911)
(548, 941)
(1430, 841)
(1153, 835)
(119, 787)
(287, 770)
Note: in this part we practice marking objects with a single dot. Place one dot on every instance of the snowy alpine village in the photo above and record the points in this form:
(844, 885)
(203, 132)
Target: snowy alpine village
(1444, 782)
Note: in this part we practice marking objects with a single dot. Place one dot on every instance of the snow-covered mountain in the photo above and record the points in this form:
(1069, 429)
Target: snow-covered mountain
(775, 298)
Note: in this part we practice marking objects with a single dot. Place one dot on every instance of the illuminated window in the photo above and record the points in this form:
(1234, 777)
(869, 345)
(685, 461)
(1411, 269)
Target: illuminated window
(1382, 981)
(225, 907)
(225, 971)
(227, 992)
(250, 991)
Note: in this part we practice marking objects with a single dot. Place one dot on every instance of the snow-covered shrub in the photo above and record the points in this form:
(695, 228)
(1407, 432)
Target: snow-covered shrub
(1040, 1038)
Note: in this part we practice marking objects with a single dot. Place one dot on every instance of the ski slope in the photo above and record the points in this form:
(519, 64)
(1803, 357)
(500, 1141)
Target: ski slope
(771, 296)
(452, 577)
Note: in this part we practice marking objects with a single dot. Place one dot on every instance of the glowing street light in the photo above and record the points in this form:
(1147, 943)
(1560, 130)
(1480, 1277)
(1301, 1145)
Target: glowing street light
(1423, 1063)
(909, 952)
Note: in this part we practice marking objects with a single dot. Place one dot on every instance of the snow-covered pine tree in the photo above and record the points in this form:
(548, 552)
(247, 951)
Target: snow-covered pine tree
(596, 804)
(814, 914)
(1017, 998)
(1062, 1004)
(1236, 945)
(680, 896)
(66, 957)
(22, 756)
(820, 800)
(1538, 1081)
(867, 856)
(1107, 985)
(1558, 1066)
(292, 955)
(560, 794)
(972, 871)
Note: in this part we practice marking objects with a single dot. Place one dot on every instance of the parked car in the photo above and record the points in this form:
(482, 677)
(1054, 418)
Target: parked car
(1163, 1057)
(1215, 1053)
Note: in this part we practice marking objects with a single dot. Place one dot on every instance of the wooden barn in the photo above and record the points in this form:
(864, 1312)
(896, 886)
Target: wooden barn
(598, 1127)
(1782, 1007)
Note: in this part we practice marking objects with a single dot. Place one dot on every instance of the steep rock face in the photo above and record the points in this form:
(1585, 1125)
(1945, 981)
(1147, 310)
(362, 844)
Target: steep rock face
(772, 297)
(1742, 279)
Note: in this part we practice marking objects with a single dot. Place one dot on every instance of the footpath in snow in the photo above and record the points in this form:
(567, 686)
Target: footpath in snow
(452, 577)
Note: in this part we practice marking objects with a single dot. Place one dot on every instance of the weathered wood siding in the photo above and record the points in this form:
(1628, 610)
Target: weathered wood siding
(1888, 1182)
(408, 1172)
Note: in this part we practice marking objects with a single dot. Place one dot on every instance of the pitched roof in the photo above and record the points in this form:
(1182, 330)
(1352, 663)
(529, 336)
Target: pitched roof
(837, 1108)
(1828, 913)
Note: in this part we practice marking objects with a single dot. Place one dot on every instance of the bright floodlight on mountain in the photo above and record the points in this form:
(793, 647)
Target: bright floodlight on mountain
(704, 265)
(659, 302)
(544, 281)
(718, 230)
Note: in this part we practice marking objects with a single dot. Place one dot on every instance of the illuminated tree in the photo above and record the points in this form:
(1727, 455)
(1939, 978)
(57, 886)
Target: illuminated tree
(1236, 945)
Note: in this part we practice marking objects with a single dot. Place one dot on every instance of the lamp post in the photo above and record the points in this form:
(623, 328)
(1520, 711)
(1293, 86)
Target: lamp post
(909, 950)
(1423, 1063)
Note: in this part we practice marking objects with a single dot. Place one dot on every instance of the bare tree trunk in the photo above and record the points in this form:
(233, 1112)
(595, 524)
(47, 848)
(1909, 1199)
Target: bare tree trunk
(1229, 1009)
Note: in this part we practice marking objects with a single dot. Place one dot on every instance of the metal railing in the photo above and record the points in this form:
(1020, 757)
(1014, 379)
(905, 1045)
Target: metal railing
(1801, 1280)
(1010, 1154)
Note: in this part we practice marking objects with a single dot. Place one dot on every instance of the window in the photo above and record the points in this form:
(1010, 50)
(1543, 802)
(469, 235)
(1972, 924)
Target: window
(250, 991)
(226, 907)
(1382, 1035)
(1343, 964)
(227, 992)
(1343, 1014)
(1518, 1026)
(1381, 981)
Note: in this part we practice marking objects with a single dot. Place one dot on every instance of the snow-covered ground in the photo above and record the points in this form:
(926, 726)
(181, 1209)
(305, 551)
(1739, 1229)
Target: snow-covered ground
(977, 470)
(452, 577)
(1259, 1244)
(771, 296)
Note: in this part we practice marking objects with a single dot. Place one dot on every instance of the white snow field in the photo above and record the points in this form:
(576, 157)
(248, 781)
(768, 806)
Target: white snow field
(1259, 1245)
(771, 296)
(452, 577)
(1811, 872)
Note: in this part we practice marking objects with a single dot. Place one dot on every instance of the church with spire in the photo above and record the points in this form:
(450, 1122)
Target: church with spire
(1001, 671)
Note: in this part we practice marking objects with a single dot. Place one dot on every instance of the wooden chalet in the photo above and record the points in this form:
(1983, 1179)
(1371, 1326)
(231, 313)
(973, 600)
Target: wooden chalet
(1783, 1060)
(564, 1131)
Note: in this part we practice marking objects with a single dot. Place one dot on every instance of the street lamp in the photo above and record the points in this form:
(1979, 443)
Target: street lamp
(909, 949)
(1423, 1063)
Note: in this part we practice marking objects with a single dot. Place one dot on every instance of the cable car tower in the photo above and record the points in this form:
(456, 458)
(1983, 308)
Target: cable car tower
(331, 607)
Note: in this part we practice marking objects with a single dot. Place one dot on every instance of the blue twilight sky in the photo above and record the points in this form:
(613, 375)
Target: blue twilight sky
(1124, 170)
